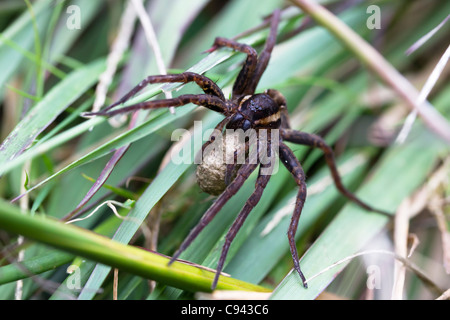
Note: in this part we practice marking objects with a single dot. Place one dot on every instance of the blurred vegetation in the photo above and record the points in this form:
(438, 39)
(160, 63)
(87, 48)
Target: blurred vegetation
(52, 59)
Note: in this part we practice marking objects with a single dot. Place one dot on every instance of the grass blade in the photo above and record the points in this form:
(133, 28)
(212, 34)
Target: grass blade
(132, 259)
(44, 112)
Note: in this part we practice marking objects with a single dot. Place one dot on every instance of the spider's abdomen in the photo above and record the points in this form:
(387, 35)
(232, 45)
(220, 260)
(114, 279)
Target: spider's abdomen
(256, 111)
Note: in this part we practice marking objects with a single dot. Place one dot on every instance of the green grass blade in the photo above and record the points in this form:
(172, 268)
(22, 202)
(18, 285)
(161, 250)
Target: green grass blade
(49, 259)
(44, 112)
(34, 266)
(18, 32)
(127, 137)
(99, 248)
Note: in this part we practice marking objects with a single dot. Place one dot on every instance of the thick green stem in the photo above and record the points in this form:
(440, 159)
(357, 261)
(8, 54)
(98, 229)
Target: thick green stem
(104, 250)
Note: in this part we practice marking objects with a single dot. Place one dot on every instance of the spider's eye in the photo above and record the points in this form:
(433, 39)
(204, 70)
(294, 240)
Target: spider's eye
(235, 122)
(246, 125)
(239, 122)
(238, 117)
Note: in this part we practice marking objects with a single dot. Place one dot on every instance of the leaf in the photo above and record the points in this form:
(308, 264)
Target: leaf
(18, 32)
(46, 111)
(128, 258)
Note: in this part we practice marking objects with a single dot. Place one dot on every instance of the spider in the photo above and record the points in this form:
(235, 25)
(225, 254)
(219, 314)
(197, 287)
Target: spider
(245, 110)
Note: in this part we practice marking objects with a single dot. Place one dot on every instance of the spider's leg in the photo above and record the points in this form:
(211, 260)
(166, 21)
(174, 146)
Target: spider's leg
(243, 174)
(239, 156)
(264, 57)
(207, 85)
(313, 140)
(289, 160)
(248, 68)
(219, 128)
(260, 185)
(211, 102)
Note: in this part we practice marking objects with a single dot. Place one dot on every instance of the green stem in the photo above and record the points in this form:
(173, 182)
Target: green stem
(92, 246)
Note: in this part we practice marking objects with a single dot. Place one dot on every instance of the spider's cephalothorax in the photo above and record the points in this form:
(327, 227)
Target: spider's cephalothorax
(258, 111)
(244, 111)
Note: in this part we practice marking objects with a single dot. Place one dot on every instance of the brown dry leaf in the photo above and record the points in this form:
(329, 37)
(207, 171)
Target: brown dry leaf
(411, 206)
(413, 242)
(382, 132)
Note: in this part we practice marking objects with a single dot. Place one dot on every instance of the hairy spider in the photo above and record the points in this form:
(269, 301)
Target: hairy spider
(245, 110)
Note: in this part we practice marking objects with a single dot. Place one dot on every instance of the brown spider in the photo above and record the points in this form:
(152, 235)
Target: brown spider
(245, 110)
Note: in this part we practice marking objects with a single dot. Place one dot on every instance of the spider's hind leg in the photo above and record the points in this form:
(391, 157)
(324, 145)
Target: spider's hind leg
(313, 140)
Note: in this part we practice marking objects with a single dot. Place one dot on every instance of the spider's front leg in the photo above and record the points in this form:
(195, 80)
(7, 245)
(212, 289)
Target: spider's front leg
(217, 130)
(246, 73)
(208, 86)
(313, 140)
(211, 102)
(254, 66)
